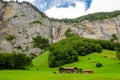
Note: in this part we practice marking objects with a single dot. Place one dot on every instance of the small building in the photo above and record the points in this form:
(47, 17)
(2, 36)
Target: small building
(68, 70)
(87, 71)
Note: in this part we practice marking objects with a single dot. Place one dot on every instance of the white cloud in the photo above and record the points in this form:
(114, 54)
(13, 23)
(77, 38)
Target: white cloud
(104, 5)
(21, 0)
(70, 12)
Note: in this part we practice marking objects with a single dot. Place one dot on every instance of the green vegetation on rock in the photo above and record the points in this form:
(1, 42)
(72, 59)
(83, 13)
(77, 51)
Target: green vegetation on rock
(10, 38)
(69, 33)
(36, 22)
(91, 17)
(40, 42)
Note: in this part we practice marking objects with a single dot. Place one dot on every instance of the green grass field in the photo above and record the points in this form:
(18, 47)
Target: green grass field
(41, 71)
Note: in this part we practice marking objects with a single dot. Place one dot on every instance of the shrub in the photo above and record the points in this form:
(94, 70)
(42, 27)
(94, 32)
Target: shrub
(118, 53)
(32, 55)
(10, 38)
(105, 56)
(98, 65)
(88, 58)
(14, 61)
(69, 33)
(80, 70)
(15, 16)
(40, 42)
(98, 48)
(113, 38)
(36, 22)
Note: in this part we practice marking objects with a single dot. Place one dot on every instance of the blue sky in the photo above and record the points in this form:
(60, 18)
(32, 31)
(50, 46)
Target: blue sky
(74, 8)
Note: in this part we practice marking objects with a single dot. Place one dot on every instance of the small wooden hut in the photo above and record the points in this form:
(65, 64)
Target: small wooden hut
(68, 70)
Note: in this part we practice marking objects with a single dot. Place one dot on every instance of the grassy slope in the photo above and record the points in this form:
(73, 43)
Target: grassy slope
(109, 71)
(41, 62)
(109, 64)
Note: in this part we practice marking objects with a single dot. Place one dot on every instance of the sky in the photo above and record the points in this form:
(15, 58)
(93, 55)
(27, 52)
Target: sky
(73, 8)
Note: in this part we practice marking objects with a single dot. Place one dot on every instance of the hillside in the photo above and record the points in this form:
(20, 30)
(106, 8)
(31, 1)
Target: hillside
(41, 61)
(107, 58)
(21, 22)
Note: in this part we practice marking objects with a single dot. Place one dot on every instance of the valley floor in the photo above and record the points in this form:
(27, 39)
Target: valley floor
(46, 75)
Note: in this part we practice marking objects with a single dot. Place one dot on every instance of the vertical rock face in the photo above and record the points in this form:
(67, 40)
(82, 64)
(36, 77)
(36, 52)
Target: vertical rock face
(101, 29)
(23, 21)
(58, 31)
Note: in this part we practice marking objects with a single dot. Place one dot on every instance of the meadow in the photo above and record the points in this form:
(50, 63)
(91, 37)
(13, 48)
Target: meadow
(40, 70)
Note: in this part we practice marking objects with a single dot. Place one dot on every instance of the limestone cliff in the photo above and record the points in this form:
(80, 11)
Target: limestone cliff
(100, 29)
(24, 21)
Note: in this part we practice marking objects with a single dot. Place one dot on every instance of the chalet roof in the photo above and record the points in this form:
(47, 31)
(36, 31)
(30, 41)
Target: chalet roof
(68, 67)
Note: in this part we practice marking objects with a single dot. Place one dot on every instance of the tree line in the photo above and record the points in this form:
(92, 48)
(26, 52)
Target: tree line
(90, 17)
(14, 61)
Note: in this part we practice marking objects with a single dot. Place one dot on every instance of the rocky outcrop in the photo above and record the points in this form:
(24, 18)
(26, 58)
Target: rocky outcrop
(24, 22)
(100, 29)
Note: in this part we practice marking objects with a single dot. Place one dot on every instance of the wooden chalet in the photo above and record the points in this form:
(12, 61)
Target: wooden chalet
(68, 70)
(87, 71)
